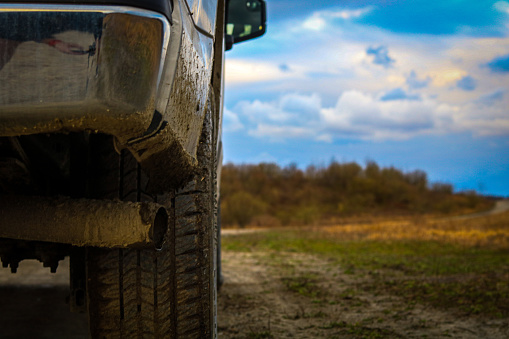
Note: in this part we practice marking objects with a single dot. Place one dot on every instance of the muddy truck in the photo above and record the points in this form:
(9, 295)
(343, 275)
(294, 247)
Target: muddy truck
(110, 153)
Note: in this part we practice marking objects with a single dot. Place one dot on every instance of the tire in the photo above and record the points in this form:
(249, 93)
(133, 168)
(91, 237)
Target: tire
(165, 293)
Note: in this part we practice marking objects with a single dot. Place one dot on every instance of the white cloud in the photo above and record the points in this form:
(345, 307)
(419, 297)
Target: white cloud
(290, 108)
(319, 20)
(363, 116)
(315, 23)
(502, 6)
(293, 102)
(231, 121)
(266, 111)
(350, 13)
(246, 71)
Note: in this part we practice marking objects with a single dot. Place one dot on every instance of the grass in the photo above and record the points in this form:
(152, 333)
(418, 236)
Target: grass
(303, 285)
(449, 264)
(411, 256)
(359, 331)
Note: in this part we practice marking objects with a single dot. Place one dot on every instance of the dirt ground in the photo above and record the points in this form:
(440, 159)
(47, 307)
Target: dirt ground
(288, 295)
(261, 299)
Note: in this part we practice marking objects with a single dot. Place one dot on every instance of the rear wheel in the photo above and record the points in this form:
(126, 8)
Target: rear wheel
(162, 293)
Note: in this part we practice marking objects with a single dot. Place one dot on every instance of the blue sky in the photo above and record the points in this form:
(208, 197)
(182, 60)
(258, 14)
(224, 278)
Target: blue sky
(411, 84)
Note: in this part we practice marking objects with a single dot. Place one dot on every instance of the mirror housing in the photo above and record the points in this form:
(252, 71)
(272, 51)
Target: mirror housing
(245, 20)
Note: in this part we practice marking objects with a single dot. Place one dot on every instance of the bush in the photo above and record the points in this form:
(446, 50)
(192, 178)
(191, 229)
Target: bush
(268, 195)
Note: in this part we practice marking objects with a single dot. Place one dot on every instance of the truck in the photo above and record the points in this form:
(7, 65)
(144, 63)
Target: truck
(111, 151)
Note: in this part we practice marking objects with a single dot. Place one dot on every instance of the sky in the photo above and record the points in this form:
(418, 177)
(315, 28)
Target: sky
(412, 84)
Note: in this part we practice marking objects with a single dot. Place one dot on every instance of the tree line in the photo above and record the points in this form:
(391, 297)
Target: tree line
(267, 194)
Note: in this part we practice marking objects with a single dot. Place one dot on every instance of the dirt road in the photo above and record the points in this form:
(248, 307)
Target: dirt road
(301, 296)
(500, 207)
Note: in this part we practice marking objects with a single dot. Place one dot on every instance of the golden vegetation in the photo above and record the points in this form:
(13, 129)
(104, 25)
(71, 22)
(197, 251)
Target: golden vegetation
(490, 231)
(268, 195)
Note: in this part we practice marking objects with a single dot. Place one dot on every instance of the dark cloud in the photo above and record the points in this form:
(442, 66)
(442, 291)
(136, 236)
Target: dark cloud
(467, 83)
(399, 94)
(499, 64)
(415, 83)
(381, 56)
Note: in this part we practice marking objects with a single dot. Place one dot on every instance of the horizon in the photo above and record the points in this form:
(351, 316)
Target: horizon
(421, 86)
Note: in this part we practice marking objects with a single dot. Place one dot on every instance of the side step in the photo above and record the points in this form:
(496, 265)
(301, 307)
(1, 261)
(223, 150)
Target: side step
(83, 222)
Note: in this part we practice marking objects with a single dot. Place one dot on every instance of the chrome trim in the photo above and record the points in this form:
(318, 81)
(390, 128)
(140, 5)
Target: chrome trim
(50, 81)
(98, 9)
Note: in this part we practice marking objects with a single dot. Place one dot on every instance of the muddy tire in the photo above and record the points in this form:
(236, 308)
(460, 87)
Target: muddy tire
(165, 293)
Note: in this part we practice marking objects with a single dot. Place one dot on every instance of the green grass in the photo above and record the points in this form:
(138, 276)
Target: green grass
(470, 279)
(412, 257)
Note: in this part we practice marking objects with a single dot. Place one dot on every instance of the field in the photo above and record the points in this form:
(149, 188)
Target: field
(403, 278)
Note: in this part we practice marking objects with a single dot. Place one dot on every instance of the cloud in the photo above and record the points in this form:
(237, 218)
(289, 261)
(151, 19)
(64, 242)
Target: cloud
(362, 116)
(231, 121)
(315, 23)
(347, 14)
(289, 109)
(292, 116)
(381, 56)
(301, 104)
(499, 64)
(319, 20)
(491, 98)
(502, 6)
(467, 83)
(358, 115)
(415, 83)
(246, 71)
(399, 94)
(257, 111)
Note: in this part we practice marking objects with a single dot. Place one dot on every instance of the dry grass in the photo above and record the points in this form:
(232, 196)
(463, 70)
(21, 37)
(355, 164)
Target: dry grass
(488, 231)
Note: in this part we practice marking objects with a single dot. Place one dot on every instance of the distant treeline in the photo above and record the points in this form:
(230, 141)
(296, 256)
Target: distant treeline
(269, 195)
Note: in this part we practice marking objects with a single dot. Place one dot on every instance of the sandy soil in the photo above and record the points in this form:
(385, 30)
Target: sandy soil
(256, 302)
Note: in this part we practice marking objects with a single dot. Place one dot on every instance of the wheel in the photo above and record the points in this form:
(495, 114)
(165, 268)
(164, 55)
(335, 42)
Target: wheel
(156, 293)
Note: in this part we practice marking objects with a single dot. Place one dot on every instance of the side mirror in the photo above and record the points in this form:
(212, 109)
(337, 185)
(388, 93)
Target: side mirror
(245, 20)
